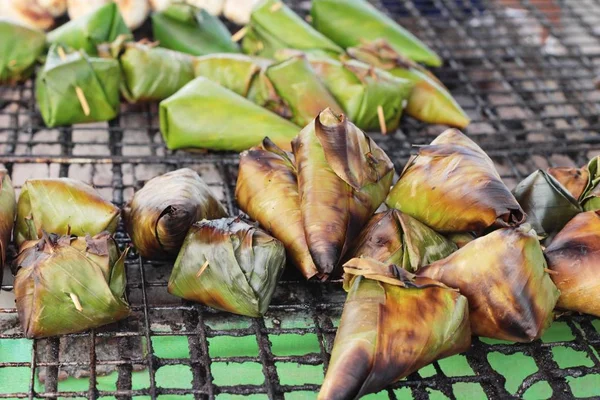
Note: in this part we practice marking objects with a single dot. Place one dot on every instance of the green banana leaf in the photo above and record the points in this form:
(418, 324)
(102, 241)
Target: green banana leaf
(70, 284)
(274, 26)
(352, 22)
(20, 48)
(76, 88)
(191, 30)
(204, 114)
(103, 25)
(229, 265)
(8, 209)
(590, 199)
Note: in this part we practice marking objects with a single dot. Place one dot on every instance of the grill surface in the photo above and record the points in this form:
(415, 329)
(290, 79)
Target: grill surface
(523, 70)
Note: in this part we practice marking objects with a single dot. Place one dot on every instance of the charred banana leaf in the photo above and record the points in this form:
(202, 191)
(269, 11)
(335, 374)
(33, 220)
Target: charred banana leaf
(160, 214)
(393, 323)
(70, 284)
(575, 180)
(229, 265)
(8, 210)
(453, 186)
(62, 206)
(191, 30)
(353, 22)
(590, 199)
(504, 277)
(20, 48)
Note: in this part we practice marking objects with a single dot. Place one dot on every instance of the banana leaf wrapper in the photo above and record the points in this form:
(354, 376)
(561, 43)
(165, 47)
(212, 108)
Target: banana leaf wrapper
(429, 101)
(353, 22)
(575, 180)
(274, 26)
(19, 50)
(160, 214)
(590, 199)
(62, 206)
(75, 88)
(8, 210)
(460, 239)
(191, 30)
(452, 186)
(200, 116)
(343, 177)
(505, 279)
(574, 258)
(393, 324)
(229, 265)
(266, 190)
(69, 284)
(391, 237)
(85, 33)
(548, 205)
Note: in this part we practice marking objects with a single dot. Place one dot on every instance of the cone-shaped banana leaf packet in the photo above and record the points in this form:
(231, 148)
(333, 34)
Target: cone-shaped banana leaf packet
(274, 26)
(590, 199)
(191, 30)
(451, 185)
(203, 114)
(429, 101)
(103, 25)
(229, 265)
(8, 210)
(67, 284)
(20, 48)
(352, 22)
(149, 73)
(266, 190)
(548, 205)
(75, 88)
(62, 206)
(343, 177)
(575, 180)
(160, 214)
(393, 324)
(505, 279)
(391, 237)
(574, 258)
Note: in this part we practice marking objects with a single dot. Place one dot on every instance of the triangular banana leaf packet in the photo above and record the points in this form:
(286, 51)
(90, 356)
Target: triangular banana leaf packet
(149, 73)
(575, 180)
(20, 48)
(229, 265)
(343, 177)
(574, 259)
(393, 324)
(85, 33)
(8, 210)
(352, 22)
(505, 279)
(200, 115)
(160, 214)
(75, 88)
(191, 30)
(451, 185)
(274, 26)
(70, 284)
(62, 206)
(266, 190)
(391, 237)
(548, 205)
(590, 199)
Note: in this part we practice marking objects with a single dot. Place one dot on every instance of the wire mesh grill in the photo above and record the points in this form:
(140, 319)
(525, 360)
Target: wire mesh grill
(523, 70)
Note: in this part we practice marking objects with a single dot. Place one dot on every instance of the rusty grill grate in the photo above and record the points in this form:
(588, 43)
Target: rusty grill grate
(525, 72)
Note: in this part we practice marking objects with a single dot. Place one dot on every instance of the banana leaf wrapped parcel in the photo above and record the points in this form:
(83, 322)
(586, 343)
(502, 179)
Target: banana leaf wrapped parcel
(62, 206)
(505, 279)
(191, 30)
(160, 214)
(574, 258)
(451, 186)
(393, 324)
(88, 31)
(75, 88)
(575, 180)
(230, 265)
(67, 284)
(20, 48)
(590, 199)
(8, 210)
(352, 22)
(200, 115)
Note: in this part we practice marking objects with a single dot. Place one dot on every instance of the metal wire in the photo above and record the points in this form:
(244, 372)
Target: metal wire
(524, 70)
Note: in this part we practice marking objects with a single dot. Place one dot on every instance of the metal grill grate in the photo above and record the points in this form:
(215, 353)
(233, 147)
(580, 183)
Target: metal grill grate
(523, 70)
